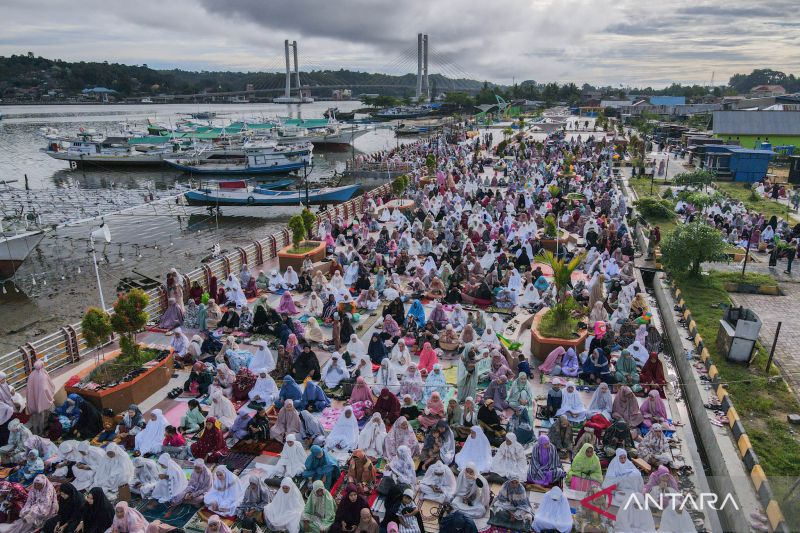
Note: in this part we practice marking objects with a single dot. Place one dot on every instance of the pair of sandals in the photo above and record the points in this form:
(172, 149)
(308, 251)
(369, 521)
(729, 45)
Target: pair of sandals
(174, 393)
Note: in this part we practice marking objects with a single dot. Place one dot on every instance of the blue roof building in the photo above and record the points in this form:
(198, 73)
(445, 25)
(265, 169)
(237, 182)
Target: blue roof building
(667, 100)
(737, 163)
(98, 90)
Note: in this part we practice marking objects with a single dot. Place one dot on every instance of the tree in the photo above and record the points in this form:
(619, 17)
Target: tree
(399, 185)
(129, 318)
(309, 219)
(695, 179)
(689, 246)
(559, 315)
(96, 327)
(462, 100)
(298, 229)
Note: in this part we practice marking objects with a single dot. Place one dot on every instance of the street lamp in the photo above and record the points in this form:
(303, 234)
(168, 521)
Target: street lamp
(100, 233)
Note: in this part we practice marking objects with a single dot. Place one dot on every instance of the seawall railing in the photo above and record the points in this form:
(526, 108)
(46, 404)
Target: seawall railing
(68, 345)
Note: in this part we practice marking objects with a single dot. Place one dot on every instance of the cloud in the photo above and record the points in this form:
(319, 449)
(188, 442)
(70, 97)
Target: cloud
(595, 41)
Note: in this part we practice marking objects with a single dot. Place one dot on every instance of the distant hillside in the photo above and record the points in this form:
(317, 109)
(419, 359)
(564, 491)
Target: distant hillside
(37, 75)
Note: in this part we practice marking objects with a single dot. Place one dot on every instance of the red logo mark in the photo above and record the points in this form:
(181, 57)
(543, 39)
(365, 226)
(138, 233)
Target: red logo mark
(605, 492)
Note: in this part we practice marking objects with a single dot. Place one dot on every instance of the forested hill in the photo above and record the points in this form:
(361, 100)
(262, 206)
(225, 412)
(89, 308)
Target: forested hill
(18, 71)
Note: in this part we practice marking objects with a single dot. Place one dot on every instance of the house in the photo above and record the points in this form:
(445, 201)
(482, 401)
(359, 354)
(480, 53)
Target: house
(750, 128)
(736, 163)
(761, 91)
(668, 100)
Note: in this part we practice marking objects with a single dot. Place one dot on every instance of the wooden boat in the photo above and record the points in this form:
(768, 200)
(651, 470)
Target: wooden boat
(258, 196)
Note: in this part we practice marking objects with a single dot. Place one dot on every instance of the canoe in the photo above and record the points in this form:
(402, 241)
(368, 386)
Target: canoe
(262, 196)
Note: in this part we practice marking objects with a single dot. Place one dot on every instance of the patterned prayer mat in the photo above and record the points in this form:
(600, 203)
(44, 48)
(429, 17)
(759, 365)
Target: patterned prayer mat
(174, 516)
(237, 461)
(200, 520)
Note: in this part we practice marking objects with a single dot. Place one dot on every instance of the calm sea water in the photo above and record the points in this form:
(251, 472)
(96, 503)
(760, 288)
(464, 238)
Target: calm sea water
(57, 282)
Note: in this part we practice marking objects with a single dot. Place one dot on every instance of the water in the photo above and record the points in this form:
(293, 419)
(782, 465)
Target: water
(57, 281)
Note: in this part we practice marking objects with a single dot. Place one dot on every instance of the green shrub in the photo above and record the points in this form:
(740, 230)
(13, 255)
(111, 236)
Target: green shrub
(298, 229)
(129, 318)
(667, 194)
(697, 178)
(309, 219)
(690, 245)
(550, 229)
(655, 209)
(96, 327)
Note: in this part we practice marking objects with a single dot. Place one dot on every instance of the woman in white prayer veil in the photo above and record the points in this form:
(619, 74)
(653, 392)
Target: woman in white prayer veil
(351, 274)
(314, 306)
(290, 277)
(385, 215)
(515, 280)
(175, 481)
(572, 404)
(117, 470)
(385, 377)
(150, 438)
(636, 517)
(674, 519)
(488, 260)
(226, 492)
(276, 281)
(90, 463)
(145, 476)
(429, 266)
(67, 453)
(439, 484)
(265, 390)
(262, 358)
(222, 409)
(472, 492)
(344, 435)
(530, 296)
(554, 513)
(624, 474)
(291, 462)
(355, 347)
(476, 451)
(510, 457)
(401, 468)
(285, 509)
(497, 323)
(334, 371)
(337, 281)
(489, 338)
(400, 358)
(371, 437)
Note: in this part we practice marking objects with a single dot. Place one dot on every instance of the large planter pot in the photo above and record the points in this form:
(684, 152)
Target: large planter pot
(135, 391)
(287, 258)
(550, 244)
(541, 345)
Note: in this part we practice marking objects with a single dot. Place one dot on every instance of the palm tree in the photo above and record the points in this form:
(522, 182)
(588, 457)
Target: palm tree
(562, 279)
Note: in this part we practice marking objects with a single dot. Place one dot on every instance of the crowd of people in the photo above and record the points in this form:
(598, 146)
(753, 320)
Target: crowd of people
(380, 376)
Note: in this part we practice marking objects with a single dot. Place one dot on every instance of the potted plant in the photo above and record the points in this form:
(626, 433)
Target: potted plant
(96, 327)
(551, 236)
(294, 254)
(558, 325)
(133, 372)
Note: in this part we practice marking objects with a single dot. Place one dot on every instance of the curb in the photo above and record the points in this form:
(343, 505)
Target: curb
(746, 453)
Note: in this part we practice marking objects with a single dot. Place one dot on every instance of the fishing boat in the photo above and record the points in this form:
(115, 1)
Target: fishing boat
(401, 113)
(259, 158)
(88, 149)
(261, 196)
(335, 114)
(18, 238)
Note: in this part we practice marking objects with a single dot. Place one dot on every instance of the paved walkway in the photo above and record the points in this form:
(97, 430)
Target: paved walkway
(771, 310)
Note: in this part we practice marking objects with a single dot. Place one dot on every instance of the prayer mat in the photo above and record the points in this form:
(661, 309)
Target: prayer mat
(237, 461)
(451, 375)
(156, 329)
(337, 490)
(174, 516)
(329, 417)
(176, 412)
(252, 448)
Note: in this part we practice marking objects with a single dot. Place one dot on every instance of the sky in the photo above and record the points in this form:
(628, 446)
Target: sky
(601, 42)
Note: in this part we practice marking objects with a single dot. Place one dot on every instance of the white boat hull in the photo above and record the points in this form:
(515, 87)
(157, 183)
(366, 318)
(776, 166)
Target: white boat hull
(14, 249)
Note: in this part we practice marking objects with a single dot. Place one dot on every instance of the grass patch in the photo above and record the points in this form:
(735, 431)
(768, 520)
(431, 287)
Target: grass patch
(762, 400)
(642, 188)
(304, 249)
(750, 278)
(116, 369)
(550, 326)
(741, 192)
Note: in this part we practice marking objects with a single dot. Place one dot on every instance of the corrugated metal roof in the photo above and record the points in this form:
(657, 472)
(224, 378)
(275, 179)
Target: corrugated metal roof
(764, 123)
